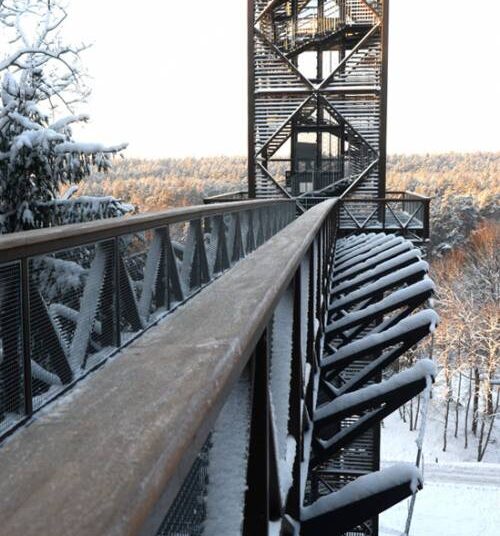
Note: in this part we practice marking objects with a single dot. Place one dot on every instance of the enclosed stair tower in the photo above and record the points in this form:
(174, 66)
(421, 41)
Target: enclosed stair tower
(317, 98)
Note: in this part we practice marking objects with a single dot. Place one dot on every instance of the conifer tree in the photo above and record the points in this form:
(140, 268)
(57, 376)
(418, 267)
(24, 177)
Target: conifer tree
(42, 82)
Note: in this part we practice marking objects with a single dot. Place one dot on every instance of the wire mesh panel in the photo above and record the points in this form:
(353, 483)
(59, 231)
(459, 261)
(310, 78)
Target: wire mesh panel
(211, 499)
(142, 285)
(188, 512)
(12, 403)
(82, 303)
(71, 315)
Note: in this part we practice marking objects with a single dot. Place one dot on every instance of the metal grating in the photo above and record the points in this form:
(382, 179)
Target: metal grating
(11, 356)
(188, 511)
(72, 316)
(203, 505)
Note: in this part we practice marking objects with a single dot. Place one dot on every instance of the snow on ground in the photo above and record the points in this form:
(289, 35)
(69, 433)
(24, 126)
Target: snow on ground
(398, 443)
(460, 497)
(457, 500)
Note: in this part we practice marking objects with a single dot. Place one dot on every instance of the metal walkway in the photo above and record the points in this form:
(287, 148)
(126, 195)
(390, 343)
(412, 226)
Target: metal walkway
(253, 408)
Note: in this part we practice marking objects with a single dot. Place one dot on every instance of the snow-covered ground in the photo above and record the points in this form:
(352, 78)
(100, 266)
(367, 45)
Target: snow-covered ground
(460, 497)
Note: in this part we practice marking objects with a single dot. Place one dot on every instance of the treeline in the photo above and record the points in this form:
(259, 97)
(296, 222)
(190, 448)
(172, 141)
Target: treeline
(465, 187)
(170, 182)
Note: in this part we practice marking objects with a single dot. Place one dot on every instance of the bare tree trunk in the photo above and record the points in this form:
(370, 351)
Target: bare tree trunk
(467, 409)
(457, 405)
(402, 412)
(411, 415)
(482, 451)
(481, 436)
(445, 433)
(449, 395)
(475, 404)
(489, 394)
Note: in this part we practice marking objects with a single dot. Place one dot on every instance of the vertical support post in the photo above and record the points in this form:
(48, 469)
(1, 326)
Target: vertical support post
(257, 495)
(116, 290)
(25, 307)
(427, 218)
(295, 14)
(296, 393)
(252, 190)
(311, 321)
(319, 121)
(383, 100)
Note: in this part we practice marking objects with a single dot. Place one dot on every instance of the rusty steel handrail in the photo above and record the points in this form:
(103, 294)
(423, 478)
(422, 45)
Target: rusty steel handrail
(157, 404)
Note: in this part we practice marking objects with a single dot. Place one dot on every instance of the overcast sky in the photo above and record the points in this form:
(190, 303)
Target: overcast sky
(170, 77)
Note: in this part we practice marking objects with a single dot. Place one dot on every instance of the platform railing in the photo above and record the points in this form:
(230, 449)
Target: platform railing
(210, 410)
(72, 296)
(402, 212)
(313, 22)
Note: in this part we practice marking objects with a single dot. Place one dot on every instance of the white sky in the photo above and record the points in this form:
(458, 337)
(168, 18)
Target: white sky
(169, 76)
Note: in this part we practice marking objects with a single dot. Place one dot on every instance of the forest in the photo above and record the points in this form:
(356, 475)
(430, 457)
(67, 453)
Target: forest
(465, 187)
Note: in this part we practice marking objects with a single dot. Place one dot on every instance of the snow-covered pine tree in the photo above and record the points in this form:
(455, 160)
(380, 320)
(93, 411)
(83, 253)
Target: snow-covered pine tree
(38, 154)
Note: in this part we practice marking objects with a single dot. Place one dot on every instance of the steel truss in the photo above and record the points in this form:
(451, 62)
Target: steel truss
(317, 97)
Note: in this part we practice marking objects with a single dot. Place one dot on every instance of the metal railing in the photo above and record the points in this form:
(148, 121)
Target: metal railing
(400, 212)
(220, 395)
(226, 197)
(72, 296)
(404, 213)
(314, 22)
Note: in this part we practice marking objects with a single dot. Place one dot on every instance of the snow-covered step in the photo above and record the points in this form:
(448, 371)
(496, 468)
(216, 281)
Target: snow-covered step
(373, 261)
(363, 254)
(407, 275)
(358, 501)
(410, 298)
(374, 395)
(367, 245)
(410, 330)
(372, 403)
(373, 273)
(346, 245)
